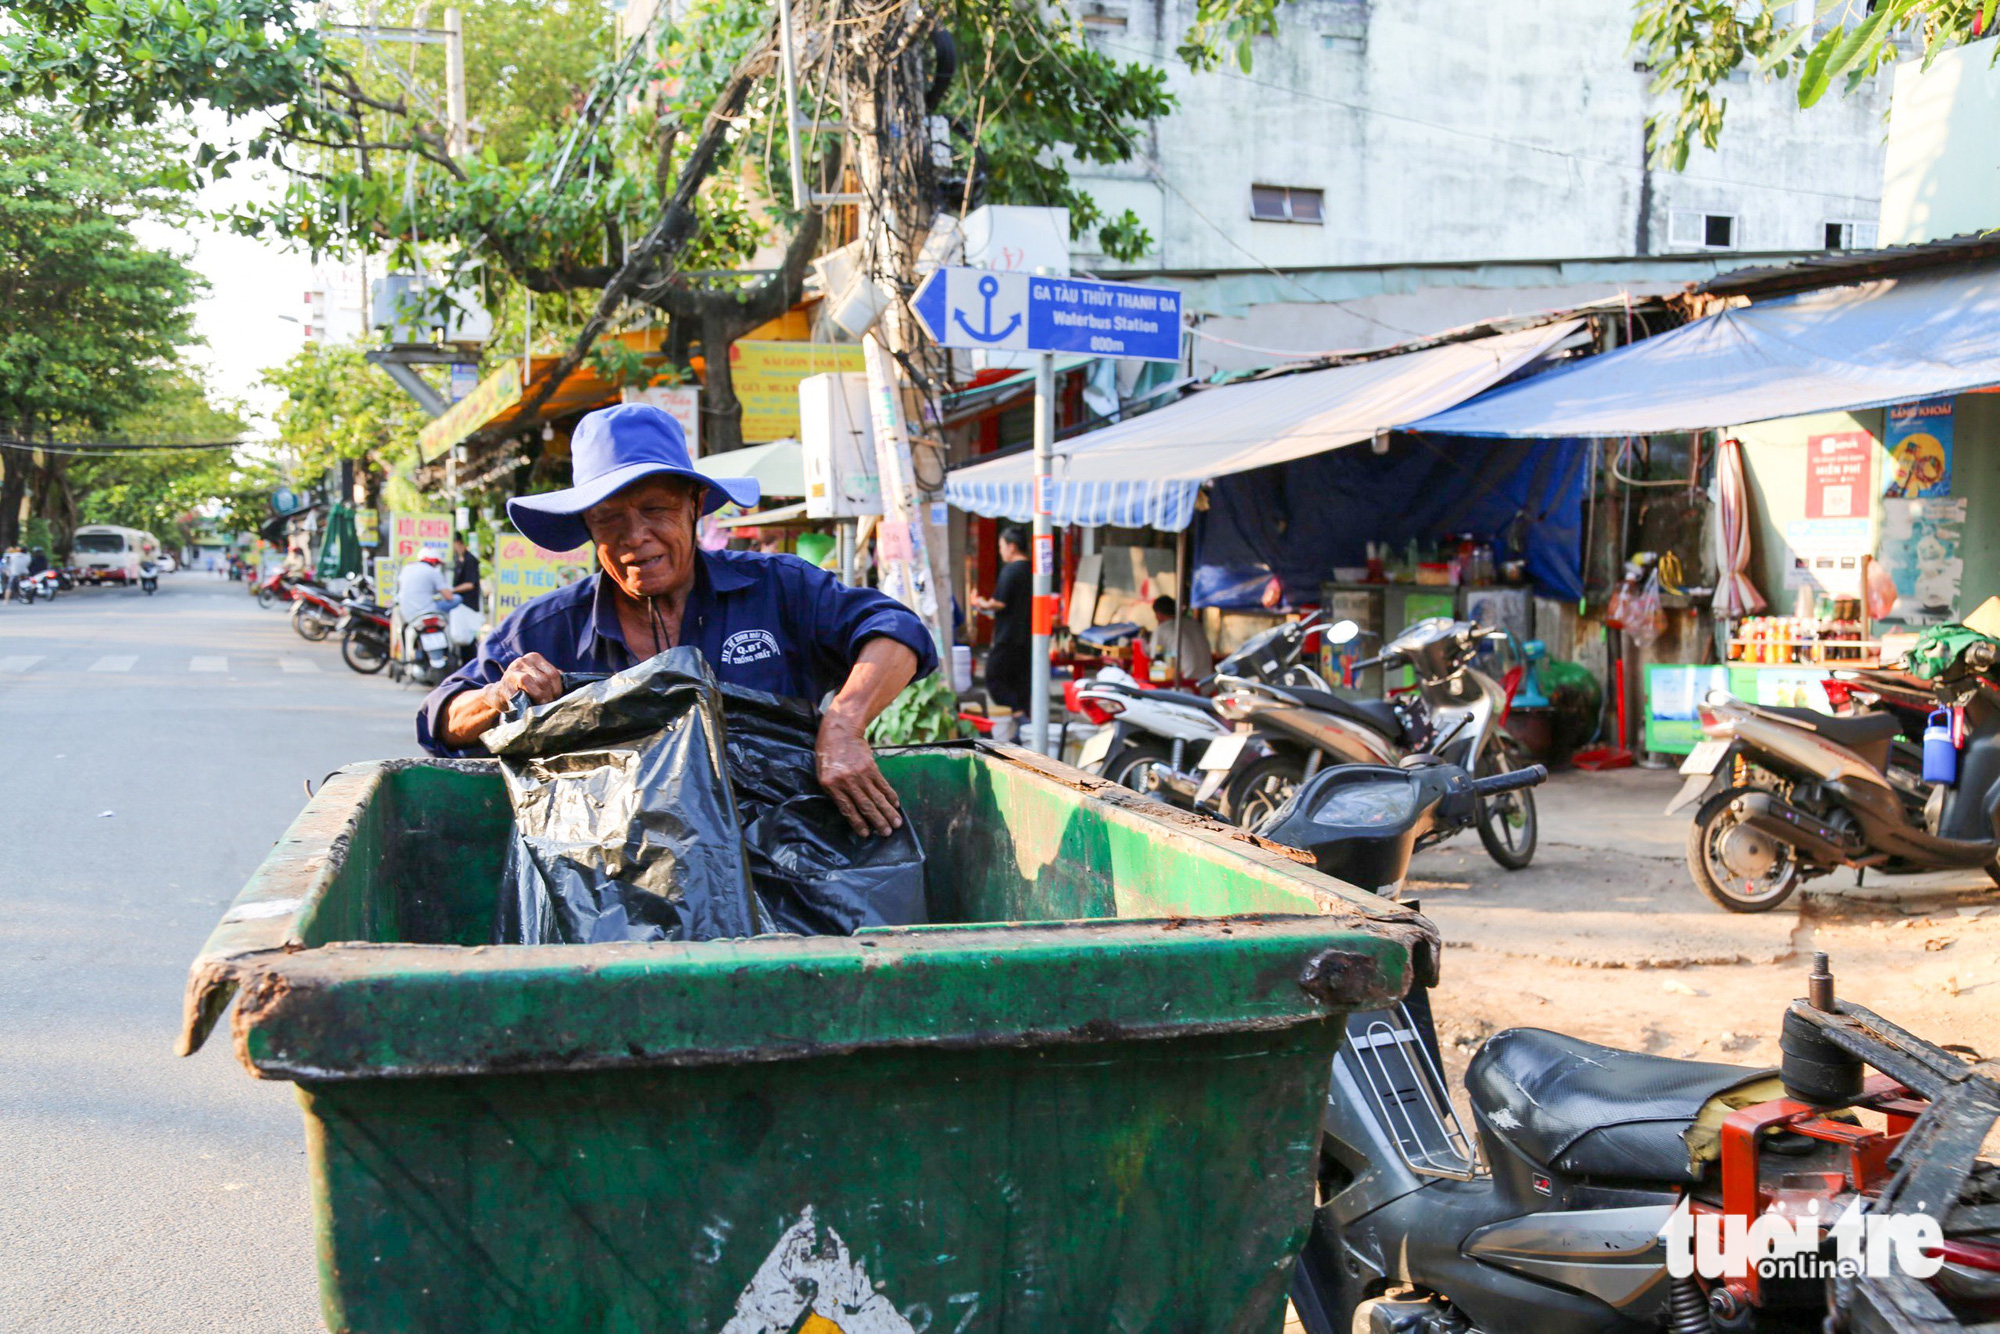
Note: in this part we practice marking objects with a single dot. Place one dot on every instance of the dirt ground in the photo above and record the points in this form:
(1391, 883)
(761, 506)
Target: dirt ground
(1605, 937)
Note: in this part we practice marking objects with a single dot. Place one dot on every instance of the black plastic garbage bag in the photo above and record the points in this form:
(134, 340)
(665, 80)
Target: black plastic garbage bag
(625, 828)
(814, 874)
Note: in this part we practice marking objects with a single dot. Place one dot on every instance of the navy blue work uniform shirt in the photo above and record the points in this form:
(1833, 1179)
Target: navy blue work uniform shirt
(768, 622)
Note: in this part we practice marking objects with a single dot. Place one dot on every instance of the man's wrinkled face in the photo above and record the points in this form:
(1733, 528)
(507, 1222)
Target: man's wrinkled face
(644, 535)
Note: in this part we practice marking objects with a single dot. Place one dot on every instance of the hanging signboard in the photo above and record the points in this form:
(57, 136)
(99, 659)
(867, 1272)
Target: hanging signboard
(1840, 475)
(368, 526)
(1029, 312)
(1919, 438)
(767, 375)
(493, 395)
(522, 570)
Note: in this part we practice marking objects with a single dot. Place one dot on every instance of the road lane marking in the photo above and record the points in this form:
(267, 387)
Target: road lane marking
(114, 662)
(297, 665)
(208, 664)
(19, 662)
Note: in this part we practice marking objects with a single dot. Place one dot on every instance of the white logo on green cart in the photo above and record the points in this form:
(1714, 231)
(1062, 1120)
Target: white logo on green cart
(810, 1285)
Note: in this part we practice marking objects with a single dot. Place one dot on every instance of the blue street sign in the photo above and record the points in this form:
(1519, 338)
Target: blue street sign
(1023, 312)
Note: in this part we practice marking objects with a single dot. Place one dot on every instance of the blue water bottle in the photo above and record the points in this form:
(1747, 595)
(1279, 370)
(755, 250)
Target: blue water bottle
(1940, 756)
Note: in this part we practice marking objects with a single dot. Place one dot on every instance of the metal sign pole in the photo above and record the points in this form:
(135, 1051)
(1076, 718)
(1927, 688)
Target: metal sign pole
(1045, 542)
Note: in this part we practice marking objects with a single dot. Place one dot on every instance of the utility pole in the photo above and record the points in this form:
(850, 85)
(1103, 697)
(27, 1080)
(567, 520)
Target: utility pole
(913, 548)
(458, 139)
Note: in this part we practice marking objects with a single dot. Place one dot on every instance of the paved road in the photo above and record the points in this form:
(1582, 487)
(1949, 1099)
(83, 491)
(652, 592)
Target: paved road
(151, 750)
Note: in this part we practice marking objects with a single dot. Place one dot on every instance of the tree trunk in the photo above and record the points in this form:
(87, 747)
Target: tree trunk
(13, 490)
(721, 410)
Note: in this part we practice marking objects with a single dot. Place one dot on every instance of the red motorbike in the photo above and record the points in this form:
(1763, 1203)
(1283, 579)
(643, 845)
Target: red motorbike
(316, 613)
(274, 588)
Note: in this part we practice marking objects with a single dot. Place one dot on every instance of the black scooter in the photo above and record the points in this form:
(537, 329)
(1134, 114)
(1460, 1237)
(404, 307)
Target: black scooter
(1555, 1216)
(1790, 794)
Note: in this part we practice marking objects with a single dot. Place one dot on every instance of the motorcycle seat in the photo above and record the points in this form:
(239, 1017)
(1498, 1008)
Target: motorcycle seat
(1202, 702)
(1854, 733)
(1583, 1109)
(1378, 715)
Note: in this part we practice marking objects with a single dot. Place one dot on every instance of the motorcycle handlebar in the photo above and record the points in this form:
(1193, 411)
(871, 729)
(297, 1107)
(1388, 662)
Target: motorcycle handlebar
(1512, 780)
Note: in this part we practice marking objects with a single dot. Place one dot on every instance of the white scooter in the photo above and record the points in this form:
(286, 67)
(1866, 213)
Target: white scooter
(1139, 728)
(432, 646)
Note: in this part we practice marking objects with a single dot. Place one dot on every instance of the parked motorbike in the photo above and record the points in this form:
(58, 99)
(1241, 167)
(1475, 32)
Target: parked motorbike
(1286, 732)
(364, 632)
(1789, 794)
(149, 577)
(316, 612)
(1139, 726)
(278, 586)
(1556, 1212)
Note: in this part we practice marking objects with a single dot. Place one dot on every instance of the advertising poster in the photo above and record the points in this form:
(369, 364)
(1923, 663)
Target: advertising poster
(1919, 441)
(1840, 475)
(1672, 691)
(522, 570)
(682, 402)
(767, 378)
(1826, 553)
(368, 526)
(1921, 552)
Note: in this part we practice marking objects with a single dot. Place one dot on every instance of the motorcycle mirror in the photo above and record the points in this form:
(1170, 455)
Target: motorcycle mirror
(1342, 632)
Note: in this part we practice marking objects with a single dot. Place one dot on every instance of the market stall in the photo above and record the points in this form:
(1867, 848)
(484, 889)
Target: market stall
(1262, 474)
(1855, 442)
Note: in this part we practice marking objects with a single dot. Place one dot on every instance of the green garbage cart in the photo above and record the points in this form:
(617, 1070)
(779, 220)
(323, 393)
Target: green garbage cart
(1086, 1098)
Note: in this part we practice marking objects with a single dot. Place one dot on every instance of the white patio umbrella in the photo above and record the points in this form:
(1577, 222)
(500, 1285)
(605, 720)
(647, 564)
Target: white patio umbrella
(1735, 595)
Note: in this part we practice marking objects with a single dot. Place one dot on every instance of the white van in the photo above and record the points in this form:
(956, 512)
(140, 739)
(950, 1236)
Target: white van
(106, 553)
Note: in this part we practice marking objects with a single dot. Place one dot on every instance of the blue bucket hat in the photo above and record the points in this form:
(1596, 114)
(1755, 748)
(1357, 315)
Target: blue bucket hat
(611, 449)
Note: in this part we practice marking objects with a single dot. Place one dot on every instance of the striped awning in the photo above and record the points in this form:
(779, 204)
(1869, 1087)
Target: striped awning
(1145, 472)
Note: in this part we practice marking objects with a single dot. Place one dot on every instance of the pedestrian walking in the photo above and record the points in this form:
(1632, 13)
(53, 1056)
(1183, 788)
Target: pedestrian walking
(1009, 662)
(13, 569)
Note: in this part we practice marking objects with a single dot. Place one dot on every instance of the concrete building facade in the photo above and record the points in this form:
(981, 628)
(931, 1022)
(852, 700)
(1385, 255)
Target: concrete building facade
(1389, 170)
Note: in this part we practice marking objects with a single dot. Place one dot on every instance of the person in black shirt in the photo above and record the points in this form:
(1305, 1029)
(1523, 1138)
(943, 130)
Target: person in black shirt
(464, 572)
(1008, 671)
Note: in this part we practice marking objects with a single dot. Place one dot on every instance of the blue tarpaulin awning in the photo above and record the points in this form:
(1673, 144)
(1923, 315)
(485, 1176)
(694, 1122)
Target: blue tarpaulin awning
(1145, 471)
(1869, 345)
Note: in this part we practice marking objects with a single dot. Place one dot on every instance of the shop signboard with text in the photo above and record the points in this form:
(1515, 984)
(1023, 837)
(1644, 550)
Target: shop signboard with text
(1840, 475)
(522, 570)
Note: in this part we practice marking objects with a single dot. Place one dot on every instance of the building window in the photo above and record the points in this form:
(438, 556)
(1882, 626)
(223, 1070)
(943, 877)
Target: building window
(1850, 236)
(1286, 203)
(1702, 231)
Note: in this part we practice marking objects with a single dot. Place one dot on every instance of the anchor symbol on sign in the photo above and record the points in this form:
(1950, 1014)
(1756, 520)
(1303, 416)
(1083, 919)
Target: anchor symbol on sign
(989, 287)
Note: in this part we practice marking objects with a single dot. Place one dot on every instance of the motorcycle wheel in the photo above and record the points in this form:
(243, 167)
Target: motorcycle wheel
(311, 623)
(266, 599)
(1263, 788)
(1134, 762)
(364, 653)
(1767, 871)
(1507, 823)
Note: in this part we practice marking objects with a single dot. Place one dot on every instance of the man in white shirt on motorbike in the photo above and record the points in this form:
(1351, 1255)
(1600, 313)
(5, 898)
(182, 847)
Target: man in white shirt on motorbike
(421, 588)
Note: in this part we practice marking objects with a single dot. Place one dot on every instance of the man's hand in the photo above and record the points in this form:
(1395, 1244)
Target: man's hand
(531, 674)
(848, 771)
(471, 713)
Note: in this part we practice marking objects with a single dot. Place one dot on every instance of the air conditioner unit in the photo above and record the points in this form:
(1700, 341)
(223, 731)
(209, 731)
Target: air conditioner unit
(837, 441)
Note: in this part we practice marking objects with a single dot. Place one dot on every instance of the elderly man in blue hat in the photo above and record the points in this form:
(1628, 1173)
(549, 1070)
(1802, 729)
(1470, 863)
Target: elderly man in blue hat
(769, 622)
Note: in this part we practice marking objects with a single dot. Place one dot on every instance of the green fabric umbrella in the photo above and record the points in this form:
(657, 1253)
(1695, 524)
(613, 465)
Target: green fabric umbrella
(340, 554)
